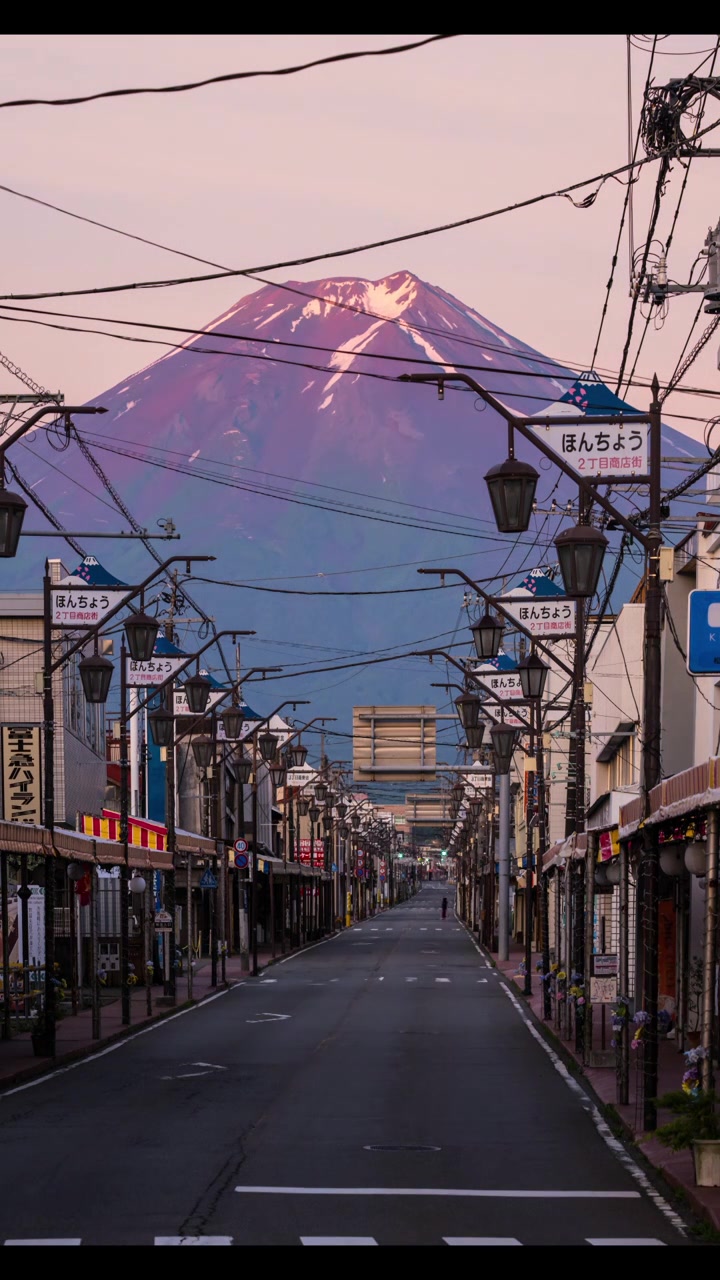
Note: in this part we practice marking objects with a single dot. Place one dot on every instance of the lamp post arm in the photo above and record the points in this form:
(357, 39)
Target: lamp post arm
(317, 720)
(460, 573)
(56, 410)
(440, 653)
(134, 591)
(191, 657)
(530, 433)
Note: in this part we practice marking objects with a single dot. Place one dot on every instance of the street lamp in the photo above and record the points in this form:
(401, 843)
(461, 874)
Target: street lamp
(487, 633)
(303, 806)
(197, 691)
(267, 744)
(12, 514)
(474, 737)
(96, 674)
(580, 552)
(162, 726)
(468, 709)
(314, 813)
(232, 719)
(203, 750)
(503, 740)
(512, 485)
(341, 809)
(321, 791)
(276, 769)
(298, 755)
(141, 632)
(243, 769)
(533, 674)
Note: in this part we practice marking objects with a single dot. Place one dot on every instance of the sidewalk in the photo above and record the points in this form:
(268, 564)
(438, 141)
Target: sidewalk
(74, 1039)
(676, 1167)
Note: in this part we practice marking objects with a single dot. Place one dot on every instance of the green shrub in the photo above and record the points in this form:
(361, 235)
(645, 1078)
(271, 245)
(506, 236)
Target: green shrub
(697, 1119)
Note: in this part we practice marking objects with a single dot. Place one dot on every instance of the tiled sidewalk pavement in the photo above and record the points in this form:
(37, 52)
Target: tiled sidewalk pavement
(676, 1167)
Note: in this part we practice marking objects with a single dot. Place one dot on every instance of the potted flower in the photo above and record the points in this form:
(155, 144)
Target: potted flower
(696, 1124)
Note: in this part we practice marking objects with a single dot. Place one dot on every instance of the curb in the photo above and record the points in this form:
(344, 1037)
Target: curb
(701, 1211)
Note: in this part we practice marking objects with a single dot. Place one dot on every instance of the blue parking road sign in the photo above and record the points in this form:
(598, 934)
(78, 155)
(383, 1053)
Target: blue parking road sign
(703, 647)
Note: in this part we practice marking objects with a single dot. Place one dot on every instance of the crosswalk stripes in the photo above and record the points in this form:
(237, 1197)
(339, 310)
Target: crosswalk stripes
(462, 1241)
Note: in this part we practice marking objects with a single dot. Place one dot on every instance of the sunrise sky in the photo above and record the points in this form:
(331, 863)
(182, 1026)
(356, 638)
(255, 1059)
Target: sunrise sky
(257, 171)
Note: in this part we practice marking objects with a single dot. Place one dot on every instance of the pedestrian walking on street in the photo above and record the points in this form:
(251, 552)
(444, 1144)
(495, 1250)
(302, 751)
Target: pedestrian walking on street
(444, 908)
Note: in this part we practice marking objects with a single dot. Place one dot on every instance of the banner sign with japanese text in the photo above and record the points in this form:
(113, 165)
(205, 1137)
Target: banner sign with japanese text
(83, 606)
(22, 787)
(156, 671)
(548, 618)
(618, 449)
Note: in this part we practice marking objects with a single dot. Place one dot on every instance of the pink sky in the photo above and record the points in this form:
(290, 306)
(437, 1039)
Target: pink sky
(252, 172)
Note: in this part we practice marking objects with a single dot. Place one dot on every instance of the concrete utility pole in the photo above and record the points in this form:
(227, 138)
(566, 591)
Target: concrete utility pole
(504, 863)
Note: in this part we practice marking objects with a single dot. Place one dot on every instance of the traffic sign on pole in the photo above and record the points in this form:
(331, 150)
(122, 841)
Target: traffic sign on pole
(240, 846)
(703, 646)
(241, 861)
(208, 880)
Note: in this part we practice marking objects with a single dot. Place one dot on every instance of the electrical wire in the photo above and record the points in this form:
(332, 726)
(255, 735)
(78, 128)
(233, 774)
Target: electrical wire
(561, 192)
(230, 76)
(284, 497)
(627, 205)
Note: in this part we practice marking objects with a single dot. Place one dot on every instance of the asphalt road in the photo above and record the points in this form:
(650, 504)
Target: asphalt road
(381, 1088)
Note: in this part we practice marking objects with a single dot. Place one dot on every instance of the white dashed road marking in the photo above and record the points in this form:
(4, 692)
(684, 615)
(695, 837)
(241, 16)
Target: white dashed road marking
(491, 1240)
(621, 1240)
(193, 1239)
(51, 1241)
(337, 1240)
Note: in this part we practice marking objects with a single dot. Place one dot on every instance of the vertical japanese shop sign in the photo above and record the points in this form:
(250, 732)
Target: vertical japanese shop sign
(22, 786)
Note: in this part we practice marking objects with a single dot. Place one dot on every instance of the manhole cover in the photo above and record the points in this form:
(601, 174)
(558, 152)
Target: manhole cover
(400, 1147)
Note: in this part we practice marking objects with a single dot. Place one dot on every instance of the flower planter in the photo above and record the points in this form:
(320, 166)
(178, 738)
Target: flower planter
(706, 1156)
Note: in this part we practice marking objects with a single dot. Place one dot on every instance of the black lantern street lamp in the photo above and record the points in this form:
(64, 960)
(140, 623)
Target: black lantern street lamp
(303, 806)
(314, 812)
(298, 755)
(533, 674)
(487, 633)
(12, 514)
(141, 631)
(468, 709)
(162, 727)
(276, 769)
(327, 821)
(580, 552)
(232, 718)
(503, 740)
(203, 750)
(512, 485)
(355, 820)
(197, 691)
(321, 790)
(96, 674)
(474, 736)
(267, 744)
(341, 809)
(243, 769)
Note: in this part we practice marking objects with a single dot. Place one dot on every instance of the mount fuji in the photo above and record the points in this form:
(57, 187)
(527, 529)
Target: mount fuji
(280, 440)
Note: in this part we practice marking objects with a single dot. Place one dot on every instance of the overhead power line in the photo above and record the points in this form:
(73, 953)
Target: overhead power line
(225, 79)
(560, 192)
